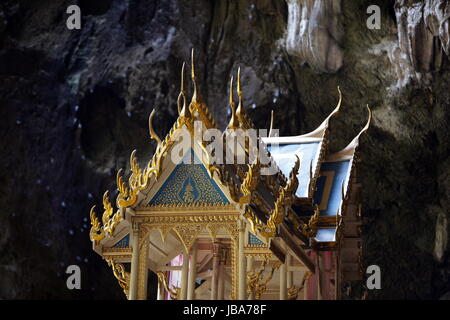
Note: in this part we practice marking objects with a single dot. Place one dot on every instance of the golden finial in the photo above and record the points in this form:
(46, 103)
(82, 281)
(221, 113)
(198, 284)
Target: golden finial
(240, 110)
(233, 121)
(271, 124)
(181, 95)
(152, 132)
(231, 92)
(239, 92)
(194, 96)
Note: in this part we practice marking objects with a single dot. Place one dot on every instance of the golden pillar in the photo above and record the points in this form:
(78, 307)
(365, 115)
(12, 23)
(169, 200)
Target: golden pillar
(250, 267)
(134, 261)
(142, 264)
(192, 272)
(221, 285)
(215, 270)
(184, 277)
(242, 288)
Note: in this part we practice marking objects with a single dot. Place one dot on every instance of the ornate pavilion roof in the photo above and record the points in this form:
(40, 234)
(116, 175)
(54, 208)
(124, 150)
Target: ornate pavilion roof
(303, 198)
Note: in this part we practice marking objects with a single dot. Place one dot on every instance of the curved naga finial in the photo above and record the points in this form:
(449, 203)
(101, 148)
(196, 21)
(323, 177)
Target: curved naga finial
(109, 220)
(250, 181)
(96, 233)
(182, 94)
(366, 127)
(355, 142)
(338, 107)
(285, 198)
(108, 208)
(152, 132)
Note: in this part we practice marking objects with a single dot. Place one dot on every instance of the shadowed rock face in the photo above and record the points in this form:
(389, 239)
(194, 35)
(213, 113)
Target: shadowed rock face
(74, 104)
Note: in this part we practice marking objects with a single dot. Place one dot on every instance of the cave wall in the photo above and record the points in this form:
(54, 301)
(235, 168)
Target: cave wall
(74, 104)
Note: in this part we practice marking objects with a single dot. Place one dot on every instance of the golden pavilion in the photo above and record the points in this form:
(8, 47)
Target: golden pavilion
(214, 229)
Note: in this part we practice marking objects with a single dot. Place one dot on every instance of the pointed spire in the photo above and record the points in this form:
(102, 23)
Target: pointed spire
(182, 94)
(185, 110)
(233, 124)
(194, 96)
(240, 112)
(271, 133)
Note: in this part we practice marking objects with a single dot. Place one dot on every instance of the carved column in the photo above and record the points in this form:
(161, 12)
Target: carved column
(242, 288)
(142, 264)
(184, 277)
(215, 270)
(283, 283)
(221, 285)
(192, 272)
(249, 269)
(134, 261)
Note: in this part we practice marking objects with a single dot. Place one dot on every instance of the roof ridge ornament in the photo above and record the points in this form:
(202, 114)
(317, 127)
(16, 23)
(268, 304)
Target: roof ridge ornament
(194, 96)
(338, 106)
(350, 149)
(283, 201)
(151, 131)
(271, 133)
(233, 124)
(182, 93)
(355, 142)
(244, 121)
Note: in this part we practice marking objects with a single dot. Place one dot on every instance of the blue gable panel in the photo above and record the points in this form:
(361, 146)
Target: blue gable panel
(284, 156)
(331, 202)
(123, 243)
(254, 241)
(189, 184)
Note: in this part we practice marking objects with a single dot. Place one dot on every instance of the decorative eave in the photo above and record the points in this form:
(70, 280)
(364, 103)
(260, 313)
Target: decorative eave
(349, 153)
(320, 135)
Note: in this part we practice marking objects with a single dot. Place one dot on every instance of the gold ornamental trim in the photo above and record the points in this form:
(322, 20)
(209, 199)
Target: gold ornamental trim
(121, 275)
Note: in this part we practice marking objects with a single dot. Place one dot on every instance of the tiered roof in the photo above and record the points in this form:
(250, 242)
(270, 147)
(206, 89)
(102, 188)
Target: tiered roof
(298, 197)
